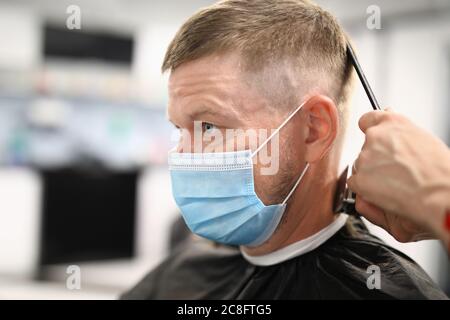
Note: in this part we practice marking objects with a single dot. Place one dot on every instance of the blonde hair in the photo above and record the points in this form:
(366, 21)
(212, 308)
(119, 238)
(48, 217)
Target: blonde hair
(297, 34)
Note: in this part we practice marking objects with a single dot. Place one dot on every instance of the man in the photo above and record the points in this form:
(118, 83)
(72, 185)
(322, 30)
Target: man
(268, 64)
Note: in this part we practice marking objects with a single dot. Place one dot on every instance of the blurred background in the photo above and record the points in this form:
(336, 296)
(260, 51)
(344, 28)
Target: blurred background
(84, 137)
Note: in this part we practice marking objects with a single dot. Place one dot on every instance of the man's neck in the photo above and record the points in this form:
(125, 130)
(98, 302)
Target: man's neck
(309, 211)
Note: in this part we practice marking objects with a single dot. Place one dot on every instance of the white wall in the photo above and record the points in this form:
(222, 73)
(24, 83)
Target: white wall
(20, 37)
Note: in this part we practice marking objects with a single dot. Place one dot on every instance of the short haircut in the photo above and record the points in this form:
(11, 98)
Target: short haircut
(296, 36)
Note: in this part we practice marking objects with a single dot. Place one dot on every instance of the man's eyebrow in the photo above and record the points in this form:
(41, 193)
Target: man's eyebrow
(201, 111)
(205, 110)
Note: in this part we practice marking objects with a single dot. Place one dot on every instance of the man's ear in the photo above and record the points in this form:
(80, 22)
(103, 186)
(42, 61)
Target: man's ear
(322, 123)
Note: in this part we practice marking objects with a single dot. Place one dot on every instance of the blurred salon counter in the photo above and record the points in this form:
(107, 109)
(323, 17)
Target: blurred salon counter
(40, 237)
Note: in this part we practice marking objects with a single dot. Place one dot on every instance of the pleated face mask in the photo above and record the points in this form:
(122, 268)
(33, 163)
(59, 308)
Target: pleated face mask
(215, 193)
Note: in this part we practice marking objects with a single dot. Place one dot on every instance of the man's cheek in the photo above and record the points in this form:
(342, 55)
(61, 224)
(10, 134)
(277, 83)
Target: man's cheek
(270, 160)
(263, 186)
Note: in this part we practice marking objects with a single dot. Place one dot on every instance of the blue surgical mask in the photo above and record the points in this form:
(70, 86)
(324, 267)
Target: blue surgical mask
(215, 193)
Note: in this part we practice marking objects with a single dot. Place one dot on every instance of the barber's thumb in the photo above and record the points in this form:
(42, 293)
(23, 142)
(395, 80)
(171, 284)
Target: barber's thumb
(373, 118)
(371, 212)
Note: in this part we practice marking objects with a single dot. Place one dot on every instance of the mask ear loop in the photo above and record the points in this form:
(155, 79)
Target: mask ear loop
(296, 184)
(271, 136)
(277, 130)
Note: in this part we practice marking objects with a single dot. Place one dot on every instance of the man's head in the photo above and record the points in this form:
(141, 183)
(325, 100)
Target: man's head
(248, 64)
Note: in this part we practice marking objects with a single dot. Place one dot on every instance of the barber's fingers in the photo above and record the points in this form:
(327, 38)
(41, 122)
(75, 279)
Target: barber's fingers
(373, 118)
(360, 184)
(371, 212)
(359, 162)
(362, 161)
(354, 168)
(352, 182)
(356, 185)
(370, 119)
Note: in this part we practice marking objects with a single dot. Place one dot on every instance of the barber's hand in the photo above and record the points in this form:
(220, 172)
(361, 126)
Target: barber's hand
(402, 229)
(402, 177)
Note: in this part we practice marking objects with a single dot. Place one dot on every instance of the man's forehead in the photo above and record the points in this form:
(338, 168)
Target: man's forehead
(211, 71)
(220, 79)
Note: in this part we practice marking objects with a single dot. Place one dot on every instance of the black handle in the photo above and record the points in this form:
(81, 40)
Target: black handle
(362, 77)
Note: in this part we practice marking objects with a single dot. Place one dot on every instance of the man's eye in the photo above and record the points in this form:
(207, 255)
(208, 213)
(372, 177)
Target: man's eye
(208, 127)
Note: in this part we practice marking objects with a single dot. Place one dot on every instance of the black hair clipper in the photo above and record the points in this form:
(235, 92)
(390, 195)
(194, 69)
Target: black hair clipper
(344, 198)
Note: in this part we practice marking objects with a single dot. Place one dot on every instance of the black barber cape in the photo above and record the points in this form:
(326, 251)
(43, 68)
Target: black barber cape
(199, 269)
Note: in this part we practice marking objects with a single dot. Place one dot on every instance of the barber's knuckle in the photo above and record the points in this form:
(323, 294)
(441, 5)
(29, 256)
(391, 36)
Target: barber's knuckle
(394, 118)
(362, 155)
(402, 119)
(363, 158)
(373, 135)
(388, 117)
